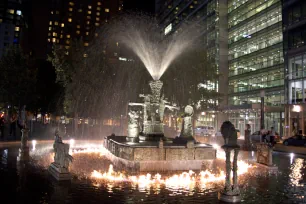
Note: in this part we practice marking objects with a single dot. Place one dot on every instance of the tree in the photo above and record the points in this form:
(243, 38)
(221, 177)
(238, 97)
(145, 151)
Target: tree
(17, 85)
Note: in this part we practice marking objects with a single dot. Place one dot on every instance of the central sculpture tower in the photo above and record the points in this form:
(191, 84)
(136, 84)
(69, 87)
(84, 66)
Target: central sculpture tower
(154, 106)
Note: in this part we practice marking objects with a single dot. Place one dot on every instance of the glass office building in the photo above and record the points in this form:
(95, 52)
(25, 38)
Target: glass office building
(294, 27)
(256, 63)
(212, 16)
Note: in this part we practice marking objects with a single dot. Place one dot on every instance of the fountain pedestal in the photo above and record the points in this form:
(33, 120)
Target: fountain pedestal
(231, 192)
(24, 148)
(264, 157)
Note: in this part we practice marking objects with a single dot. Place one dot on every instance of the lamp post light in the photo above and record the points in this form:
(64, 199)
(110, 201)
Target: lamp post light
(297, 109)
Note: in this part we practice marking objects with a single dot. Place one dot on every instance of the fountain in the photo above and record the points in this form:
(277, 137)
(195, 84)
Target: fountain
(24, 148)
(148, 149)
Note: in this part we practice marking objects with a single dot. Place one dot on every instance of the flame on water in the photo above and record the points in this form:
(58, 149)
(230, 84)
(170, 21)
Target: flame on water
(184, 180)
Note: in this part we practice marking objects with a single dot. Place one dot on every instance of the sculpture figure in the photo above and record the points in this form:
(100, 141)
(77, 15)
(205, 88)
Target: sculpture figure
(187, 130)
(61, 154)
(133, 127)
(230, 192)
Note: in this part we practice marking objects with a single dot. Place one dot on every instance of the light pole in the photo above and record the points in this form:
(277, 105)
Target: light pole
(297, 109)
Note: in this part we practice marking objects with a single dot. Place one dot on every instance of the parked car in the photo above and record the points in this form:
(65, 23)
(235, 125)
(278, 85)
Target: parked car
(204, 130)
(255, 137)
(297, 140)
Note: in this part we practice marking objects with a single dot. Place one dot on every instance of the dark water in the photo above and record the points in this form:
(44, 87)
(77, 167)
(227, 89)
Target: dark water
(31, 183)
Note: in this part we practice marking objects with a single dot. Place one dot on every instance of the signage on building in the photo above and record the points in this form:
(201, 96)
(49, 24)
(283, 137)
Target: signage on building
(168, 29)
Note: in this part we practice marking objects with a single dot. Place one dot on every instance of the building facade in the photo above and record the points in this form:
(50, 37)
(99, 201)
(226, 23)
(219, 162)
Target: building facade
(294, 27)
(256, 63)
(70, 19)
(11, 24)
(212, 16)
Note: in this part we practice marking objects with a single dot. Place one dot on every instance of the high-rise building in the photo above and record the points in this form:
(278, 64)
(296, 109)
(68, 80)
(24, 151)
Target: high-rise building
(212, 16)
(71, 19)
(294, 28)
(256, 63)
(11, 23)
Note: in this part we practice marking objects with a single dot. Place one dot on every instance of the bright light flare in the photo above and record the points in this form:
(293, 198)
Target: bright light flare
(71, 142)
(34, 142)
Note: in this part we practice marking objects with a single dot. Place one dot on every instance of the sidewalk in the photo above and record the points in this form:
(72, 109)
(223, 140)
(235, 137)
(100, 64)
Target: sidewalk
(289, 149)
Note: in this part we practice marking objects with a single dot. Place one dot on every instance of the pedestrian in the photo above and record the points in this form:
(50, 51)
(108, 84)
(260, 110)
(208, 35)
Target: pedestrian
(263, 134)
(13, 123)
(2, 123)
(22, 118)
(247, 134)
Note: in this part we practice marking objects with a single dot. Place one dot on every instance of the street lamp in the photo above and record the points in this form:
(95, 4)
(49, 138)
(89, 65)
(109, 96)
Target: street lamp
(297, 109)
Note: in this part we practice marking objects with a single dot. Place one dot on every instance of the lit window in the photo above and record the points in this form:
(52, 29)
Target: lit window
(61, 36)
(57, 40)
(0, 20)
(89, 12)
(67, 47)
(87, 33)
(106, 10)
(54, 34)
(50, 23)
(50, 28)
(96, 34)
(98, 13)
(85, 55)
(97, 24)
(119, 8)
(88, 17)
(78, 26)
(62, 25)
(18, 12)
(86, 44)
(17, 28)
(54, 40)
(89, 6)
(55, 23)
(49, 34)
(49, 40)
(70, 20)
(67, 42)
(70, 9)
(98, 9)
(71, 3)
(51, 12)
(97, 19)
(78, 32)
(80, 10)
(99, 3)
(68, 36)
(11, 11)
(88, 22)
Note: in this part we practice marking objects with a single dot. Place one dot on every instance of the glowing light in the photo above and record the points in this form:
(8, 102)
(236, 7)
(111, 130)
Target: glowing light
(291, 158)
(34, 144)
(186, 180)
(71, 142)
(296, 108)
(215, 146)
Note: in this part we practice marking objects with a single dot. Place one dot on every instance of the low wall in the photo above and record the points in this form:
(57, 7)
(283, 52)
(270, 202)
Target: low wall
(166, 153)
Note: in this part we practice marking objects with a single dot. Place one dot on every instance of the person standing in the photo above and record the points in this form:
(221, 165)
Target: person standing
(13, 123)
(22, 121)
(2, 123)
(247, 134)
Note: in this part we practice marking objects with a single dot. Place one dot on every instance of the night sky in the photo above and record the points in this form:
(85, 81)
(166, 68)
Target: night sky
(140, 5)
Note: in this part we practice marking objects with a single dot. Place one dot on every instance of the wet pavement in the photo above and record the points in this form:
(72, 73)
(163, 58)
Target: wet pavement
(31, 183)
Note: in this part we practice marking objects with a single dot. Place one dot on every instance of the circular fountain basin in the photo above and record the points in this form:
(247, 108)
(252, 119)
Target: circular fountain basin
(95, 182)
